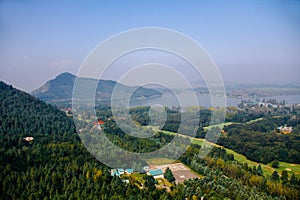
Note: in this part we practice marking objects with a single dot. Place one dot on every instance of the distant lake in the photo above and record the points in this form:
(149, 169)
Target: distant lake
(169, 100)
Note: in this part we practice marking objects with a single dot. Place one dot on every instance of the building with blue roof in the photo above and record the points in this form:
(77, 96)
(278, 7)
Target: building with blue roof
(129, 171)
(156, 173)
(121, 171)
(114, 172)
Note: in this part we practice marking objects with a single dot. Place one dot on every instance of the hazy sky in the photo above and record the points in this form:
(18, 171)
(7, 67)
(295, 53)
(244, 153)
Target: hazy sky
(250, 41)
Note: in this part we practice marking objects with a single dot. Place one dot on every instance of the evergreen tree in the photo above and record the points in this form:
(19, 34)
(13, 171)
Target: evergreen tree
(284, 177)
(254, 171)
(275, 164)
(149, 182)
(275, 176)
(169, 175)
(293, 180)
(259, 171)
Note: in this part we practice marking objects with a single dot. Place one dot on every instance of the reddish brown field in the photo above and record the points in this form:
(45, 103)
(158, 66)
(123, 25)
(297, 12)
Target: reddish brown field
(180, 171)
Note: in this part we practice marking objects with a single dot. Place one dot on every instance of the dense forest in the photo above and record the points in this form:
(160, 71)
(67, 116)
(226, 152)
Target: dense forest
(56, 165)
(261, 142)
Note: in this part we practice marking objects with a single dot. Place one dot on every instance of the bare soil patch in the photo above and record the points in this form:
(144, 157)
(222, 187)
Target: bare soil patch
(180, 171)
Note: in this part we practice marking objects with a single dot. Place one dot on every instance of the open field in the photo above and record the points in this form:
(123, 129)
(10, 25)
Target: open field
(218, 125)
(255, 120)
(160, 161)
(290, 168)
(180, 171)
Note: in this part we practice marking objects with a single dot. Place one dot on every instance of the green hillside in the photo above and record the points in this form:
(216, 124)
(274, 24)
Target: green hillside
(54, 165)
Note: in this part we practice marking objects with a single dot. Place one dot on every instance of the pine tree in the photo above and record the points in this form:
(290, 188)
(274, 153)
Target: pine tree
(275, 164)
(275, 176)
(259, 171)
(284, 177)
(169, 175)
(293, 180)
(149, 182)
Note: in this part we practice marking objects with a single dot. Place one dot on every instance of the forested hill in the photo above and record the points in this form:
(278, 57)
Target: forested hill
(60, 89)
(22, 114)
(55, 164)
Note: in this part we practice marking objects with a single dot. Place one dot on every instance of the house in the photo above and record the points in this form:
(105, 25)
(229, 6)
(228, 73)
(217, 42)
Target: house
(69, 112)
(285, 129)
(121, 171)
(114, 172)
(101, 122)
(28, 139)
(146, 168)
(129, 171)
(156, 173)
(98, 124)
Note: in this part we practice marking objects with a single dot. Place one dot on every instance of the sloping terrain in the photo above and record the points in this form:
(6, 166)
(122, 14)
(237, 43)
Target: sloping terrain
(60, 89)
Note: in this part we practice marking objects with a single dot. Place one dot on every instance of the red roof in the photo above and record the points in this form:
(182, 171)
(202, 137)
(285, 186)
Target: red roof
(100, 122)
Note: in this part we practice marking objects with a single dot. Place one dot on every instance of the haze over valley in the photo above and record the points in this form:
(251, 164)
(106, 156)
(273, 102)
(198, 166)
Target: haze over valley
(195, 100)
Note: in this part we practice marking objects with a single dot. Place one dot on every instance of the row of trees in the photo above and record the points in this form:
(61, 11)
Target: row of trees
(220, 167)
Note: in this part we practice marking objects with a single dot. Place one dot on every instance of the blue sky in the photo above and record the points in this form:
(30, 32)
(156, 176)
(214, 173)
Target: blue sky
(250, 41)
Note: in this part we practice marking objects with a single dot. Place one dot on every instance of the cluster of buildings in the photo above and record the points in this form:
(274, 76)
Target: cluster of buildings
(252, 104)
(153, 171)
(285, 129)
(120, 171)
(156, 173)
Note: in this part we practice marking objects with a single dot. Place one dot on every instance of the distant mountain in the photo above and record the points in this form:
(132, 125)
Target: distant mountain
(60, 89)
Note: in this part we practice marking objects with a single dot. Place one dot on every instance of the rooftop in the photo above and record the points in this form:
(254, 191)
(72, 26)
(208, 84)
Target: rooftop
(155, 172)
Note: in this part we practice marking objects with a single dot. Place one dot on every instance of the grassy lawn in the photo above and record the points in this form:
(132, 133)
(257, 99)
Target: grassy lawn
(160, 161)
(167, 132)
(268, 170)
(290, 168)
(198, 141)
(242, 159)
(254, 120)
(218, 125)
